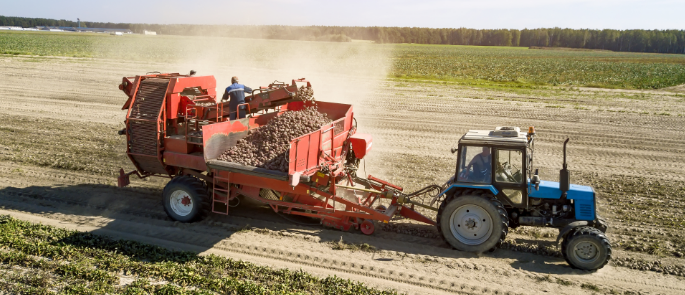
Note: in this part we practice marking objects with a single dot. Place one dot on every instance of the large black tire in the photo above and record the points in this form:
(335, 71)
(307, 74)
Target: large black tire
(586, 248)
(186, 199)
(473, 212)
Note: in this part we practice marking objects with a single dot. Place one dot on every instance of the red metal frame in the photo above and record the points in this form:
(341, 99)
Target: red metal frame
(237, 109)
(274, 95)
(310, 155)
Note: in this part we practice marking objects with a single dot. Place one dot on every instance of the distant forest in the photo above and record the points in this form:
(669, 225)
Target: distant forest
(659, 41)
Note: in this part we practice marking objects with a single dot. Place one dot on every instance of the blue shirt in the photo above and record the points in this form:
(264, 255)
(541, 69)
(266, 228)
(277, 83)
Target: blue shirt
(237, 93)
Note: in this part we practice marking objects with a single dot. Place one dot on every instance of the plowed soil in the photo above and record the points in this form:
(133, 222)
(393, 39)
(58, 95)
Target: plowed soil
(59, 154)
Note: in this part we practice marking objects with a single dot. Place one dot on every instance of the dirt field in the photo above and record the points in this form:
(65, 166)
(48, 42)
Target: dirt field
(59, 152)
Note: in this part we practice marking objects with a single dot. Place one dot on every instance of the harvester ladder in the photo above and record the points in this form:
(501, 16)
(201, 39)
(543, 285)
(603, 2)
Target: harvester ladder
(219, 194)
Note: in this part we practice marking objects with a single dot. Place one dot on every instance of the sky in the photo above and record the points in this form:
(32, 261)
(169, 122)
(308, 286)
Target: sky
(478, 14)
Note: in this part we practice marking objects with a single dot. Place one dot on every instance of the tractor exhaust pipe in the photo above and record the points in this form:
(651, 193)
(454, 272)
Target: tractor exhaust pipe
(564, 175)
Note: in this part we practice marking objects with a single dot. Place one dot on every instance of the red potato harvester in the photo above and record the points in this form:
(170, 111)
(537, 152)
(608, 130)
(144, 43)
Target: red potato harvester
(176, 127)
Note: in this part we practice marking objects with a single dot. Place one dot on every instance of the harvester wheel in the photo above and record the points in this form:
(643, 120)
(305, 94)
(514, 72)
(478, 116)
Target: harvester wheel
(368, 227)
(586, 248)
(473, 221)
(186, 199)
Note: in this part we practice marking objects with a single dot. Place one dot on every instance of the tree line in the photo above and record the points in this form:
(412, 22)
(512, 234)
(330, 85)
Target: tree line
(659, 41)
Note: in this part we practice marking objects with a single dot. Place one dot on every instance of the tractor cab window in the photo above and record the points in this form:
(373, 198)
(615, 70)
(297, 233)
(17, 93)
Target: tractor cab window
(508, 166)
(476, 164)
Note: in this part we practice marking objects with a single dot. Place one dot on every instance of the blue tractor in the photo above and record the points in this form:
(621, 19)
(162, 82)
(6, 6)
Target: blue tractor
(495, 188)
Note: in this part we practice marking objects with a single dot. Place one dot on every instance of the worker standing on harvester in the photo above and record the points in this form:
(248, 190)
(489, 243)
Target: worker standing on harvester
(237, 94)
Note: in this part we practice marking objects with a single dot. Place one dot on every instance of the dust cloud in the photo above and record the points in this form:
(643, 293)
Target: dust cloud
(350, 73)
(339, 72)
(344, 72)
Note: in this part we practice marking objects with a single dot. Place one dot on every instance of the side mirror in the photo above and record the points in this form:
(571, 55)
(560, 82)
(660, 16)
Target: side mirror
(454, 150)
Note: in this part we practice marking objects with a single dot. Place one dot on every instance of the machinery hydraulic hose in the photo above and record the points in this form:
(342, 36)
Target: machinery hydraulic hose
(431, 191)
(425, 190)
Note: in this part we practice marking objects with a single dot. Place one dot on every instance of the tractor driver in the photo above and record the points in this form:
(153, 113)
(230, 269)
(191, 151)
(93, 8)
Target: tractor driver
(237, 94)
(481, 165)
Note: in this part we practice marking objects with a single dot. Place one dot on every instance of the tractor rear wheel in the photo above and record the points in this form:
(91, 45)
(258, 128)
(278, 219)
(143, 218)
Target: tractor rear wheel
(586, 248)
(473, 221)
(186, 199)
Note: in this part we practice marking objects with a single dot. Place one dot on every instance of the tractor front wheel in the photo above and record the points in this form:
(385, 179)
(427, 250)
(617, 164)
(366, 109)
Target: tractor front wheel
(185, 199)
(473, 221)
(586, 248)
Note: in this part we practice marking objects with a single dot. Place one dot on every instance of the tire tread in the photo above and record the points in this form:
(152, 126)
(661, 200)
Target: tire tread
(483, 194)
(586, 231)
(199, 188)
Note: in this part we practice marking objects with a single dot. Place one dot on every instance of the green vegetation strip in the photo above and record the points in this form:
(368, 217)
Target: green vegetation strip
(84, 263)
(523, 68)
(478, 66)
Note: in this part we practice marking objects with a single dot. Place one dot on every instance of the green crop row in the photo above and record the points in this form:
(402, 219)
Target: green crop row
(47, 44)
(540, 67)
(83, 263)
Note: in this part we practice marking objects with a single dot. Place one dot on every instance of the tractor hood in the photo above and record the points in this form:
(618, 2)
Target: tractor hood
(550, 190)
(583, 196)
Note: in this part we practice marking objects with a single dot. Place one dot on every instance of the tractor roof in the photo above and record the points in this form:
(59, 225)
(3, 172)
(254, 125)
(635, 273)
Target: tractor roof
(508, 136)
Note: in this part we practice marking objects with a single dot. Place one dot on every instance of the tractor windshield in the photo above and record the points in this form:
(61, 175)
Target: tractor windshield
(476, 164)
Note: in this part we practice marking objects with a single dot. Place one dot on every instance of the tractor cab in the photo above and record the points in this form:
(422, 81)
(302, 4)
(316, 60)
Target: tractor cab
(501, 161)
(494, 189)
(498, 160)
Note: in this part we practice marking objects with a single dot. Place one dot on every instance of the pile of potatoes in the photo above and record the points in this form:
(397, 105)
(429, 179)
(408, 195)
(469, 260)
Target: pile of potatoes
(267, 146)
(305, 94)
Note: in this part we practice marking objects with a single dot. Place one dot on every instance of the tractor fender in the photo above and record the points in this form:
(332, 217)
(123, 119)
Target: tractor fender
(456, 186)
(567, 229)
(473, 186)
